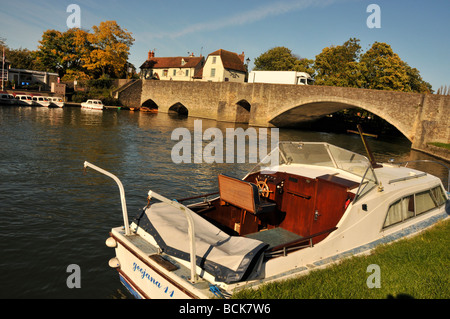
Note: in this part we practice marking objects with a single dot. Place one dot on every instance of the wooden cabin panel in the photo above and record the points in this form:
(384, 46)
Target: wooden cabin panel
(299, 212)
(298, 203)
(329, 207)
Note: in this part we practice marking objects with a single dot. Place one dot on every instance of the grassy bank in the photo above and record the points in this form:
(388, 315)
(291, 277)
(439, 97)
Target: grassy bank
(416, 267)
(443, 145)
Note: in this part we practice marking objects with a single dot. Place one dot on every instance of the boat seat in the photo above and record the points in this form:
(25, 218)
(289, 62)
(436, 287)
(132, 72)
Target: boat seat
(244, 195)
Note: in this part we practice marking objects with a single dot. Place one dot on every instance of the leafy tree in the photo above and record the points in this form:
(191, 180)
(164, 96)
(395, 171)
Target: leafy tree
(384, 70)
(109, 49)
(276, 59)
(338, 65)
(61, 51)
(21, 58)
(378, 68)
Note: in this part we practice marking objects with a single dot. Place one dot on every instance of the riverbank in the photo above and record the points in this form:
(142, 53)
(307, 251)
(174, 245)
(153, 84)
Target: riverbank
(436, 151)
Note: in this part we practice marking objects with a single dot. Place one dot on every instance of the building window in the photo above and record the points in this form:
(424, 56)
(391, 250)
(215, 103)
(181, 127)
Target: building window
(214, 60)
(165, 73)
(174, 72)
(187, 73)
(213, 73)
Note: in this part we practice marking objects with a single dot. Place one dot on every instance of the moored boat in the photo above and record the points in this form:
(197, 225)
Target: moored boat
(40, 100)
(318, 204)
(93, 104)
(6, 98)
(55, 101)
(24, 99)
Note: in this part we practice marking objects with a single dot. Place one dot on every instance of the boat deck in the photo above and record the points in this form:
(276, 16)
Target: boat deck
(275, 237)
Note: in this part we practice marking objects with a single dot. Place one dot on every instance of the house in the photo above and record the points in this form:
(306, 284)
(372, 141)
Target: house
(22, 77)
(224, 66)
(172, 68)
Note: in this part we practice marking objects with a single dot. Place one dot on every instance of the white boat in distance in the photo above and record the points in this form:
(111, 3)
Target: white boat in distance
(93, 104)
(40, 100)
(320, 204)
(6, 98)
(24, 100)
(55, 101)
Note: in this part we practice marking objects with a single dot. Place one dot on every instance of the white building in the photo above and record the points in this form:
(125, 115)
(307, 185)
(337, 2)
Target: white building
(224, 66)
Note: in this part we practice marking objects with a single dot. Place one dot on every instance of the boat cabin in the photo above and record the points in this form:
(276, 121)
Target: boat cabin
(298, 203)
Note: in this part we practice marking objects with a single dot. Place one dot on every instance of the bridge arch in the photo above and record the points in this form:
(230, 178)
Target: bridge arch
(313, 108)
(242, 111)
(150, 104)
(179, 108)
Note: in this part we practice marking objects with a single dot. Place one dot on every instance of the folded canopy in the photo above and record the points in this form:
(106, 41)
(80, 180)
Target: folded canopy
(228, 258)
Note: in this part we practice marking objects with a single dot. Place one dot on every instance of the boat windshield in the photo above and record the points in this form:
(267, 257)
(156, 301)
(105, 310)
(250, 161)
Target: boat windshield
(324, 154)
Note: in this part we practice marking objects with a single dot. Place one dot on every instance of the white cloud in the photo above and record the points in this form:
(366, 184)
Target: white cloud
(247, 17)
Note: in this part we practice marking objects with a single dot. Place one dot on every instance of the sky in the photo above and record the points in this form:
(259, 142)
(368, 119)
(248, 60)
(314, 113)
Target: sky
(417, 30)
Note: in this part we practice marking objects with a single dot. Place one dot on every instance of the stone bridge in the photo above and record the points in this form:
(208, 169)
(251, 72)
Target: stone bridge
(422, 118)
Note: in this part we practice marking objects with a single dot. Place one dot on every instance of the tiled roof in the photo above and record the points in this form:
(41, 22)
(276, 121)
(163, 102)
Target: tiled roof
(171, 62)
(230, 60)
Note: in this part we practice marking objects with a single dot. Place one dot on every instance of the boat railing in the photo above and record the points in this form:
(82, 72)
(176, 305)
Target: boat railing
(427, 161)
(122, 193)
(188, 213)
(284, 249)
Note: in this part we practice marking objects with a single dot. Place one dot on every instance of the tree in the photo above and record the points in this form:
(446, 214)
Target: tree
(276, 59)
(338, 65)
(384, 70)
(62, 51)
(109, 49)
(21, 58)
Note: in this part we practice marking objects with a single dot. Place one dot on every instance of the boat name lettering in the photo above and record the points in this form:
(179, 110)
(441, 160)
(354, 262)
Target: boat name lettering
(145, 275)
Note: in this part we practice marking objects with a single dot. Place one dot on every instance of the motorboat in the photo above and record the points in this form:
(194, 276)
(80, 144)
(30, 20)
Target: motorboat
(93, 104)
(24, 100)
(6, 98)
(40, 100)
(319, 204)
(55, 101)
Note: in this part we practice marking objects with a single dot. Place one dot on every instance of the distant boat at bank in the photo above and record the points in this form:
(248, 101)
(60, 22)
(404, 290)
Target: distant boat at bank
(93, 104)
(148, 110)
(6, 98)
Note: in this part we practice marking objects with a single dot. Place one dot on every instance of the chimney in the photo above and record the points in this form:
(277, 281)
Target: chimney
(151, 54)
(242, 56)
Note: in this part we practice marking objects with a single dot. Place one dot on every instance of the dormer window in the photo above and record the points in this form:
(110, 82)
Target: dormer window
(183, 62)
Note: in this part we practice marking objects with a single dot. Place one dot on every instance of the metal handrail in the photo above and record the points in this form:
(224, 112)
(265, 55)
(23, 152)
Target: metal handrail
(187, 212)
(122, 194)
(428, 161)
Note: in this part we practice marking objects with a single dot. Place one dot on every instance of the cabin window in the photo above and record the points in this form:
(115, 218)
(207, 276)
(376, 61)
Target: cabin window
(414, 205)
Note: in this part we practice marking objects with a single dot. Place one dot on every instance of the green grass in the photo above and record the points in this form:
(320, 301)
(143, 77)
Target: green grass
(416, 267)
(443, 145)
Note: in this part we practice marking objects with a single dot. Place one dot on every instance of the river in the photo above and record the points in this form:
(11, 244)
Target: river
(53, 215)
